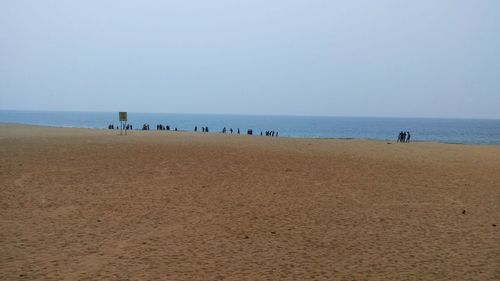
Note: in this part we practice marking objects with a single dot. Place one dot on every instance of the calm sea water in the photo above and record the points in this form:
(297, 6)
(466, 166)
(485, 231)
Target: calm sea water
(471, 131)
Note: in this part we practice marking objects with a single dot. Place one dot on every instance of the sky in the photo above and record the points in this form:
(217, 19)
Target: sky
(422, 58)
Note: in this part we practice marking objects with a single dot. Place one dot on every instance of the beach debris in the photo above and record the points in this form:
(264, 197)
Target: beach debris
(98, 220)
(494, 225)
(273, 232)
(389, 143)
(246, 237)
(463, 212)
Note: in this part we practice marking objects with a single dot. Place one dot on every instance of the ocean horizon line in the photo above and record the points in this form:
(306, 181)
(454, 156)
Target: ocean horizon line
(255, 115)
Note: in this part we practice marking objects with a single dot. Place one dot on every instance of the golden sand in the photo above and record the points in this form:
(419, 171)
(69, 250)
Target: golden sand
(79, 204)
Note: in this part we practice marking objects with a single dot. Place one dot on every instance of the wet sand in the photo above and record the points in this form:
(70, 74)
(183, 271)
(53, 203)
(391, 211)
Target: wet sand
(81, 204)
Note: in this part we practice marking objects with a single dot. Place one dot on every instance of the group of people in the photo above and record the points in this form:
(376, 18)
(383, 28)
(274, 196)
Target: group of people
(404, 136)
(125, 127)
(203, 129)
(249, 132)
(161, 127)
(270, 133)
(224, 130)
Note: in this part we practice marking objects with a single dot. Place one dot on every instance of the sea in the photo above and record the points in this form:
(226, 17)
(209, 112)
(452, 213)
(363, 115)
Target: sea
(457, 131)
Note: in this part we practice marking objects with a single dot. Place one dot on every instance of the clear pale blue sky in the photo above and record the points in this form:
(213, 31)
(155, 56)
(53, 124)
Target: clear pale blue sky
(425, 58)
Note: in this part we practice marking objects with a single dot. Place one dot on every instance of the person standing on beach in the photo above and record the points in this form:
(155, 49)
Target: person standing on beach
(408, 136)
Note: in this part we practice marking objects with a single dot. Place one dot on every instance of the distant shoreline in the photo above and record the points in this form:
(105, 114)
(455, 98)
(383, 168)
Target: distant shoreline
(388, 141)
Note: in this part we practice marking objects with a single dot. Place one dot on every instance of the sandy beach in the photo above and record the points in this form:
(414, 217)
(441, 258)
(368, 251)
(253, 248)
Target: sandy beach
(85, 204)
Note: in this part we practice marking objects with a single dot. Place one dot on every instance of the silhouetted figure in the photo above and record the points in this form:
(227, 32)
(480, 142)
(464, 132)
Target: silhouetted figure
(231, 130)
(195, 128)
(238, 131)
(408, 136)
